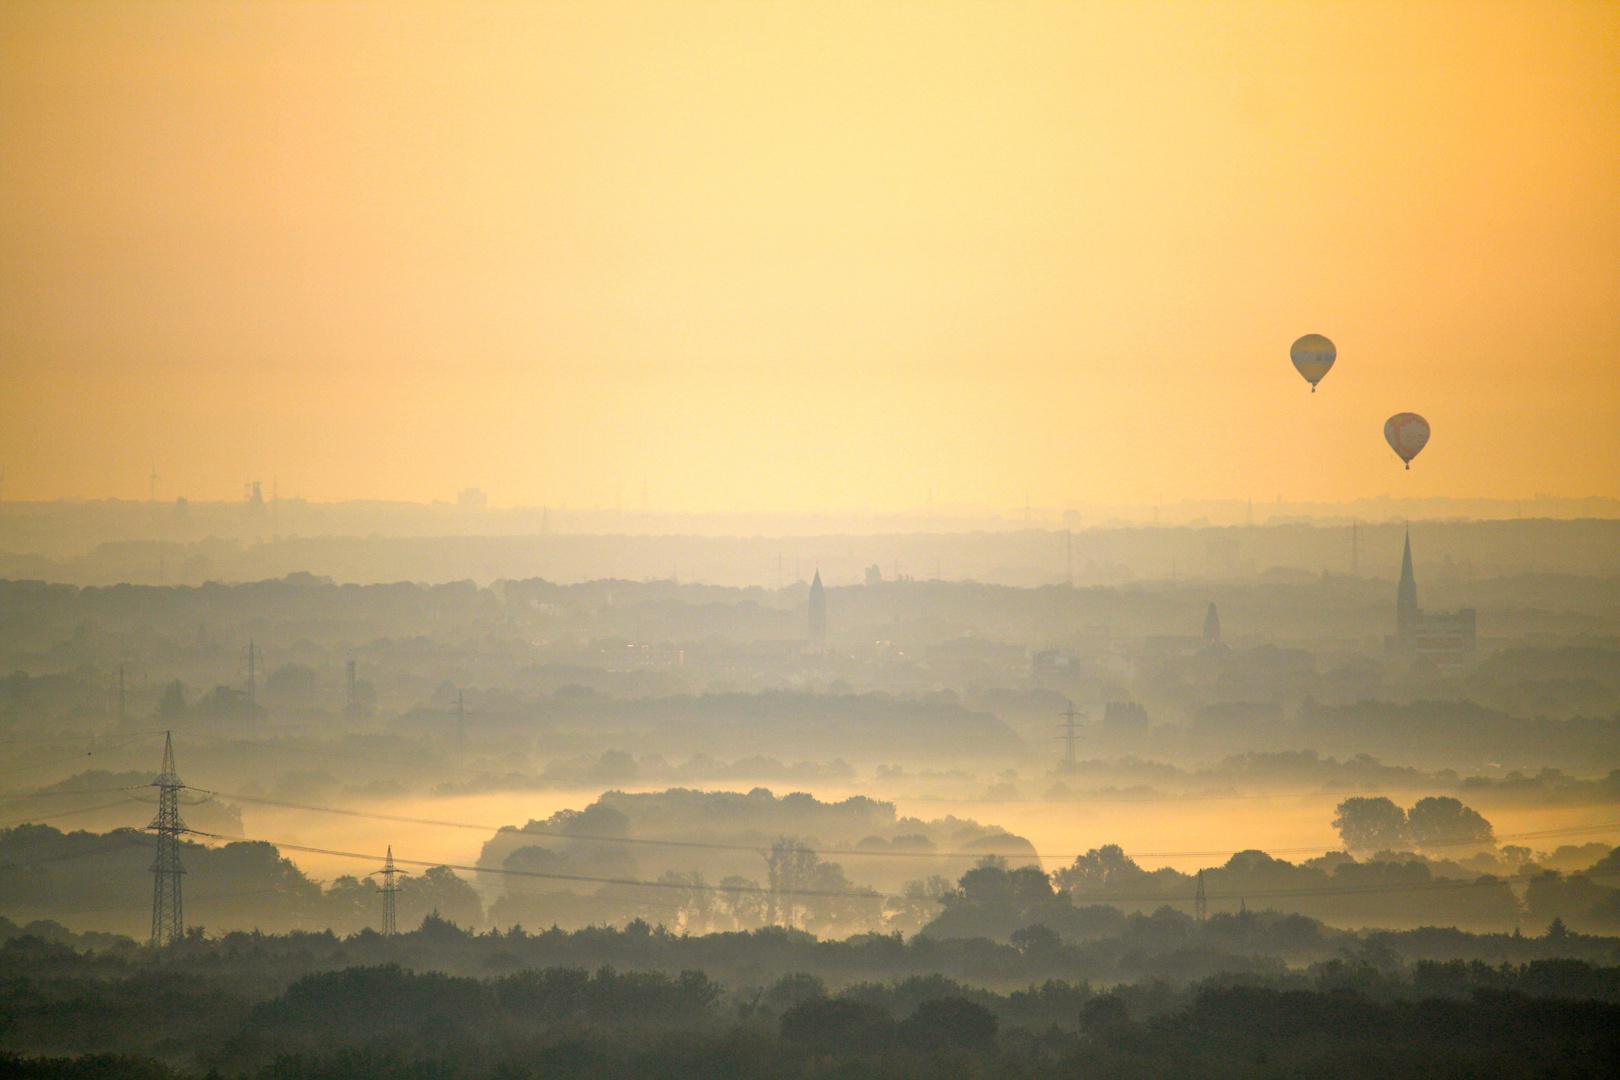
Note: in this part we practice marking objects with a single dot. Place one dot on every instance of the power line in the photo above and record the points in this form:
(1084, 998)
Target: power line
(45, 860)
(599, 898)
(1102, 897)
(869, 852)
(65, 737)
(841, 852)
(39, 819)
(77, 757)
(74, 791)
(167, 918)
(1443, 883)
(1577, 830)
(583, 878)
(1326, 890)
(137, 904)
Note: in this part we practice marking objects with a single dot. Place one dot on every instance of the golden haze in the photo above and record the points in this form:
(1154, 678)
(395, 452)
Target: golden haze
(807, 256)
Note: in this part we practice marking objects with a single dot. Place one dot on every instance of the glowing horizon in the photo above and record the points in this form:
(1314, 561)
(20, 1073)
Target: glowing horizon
(807, 257)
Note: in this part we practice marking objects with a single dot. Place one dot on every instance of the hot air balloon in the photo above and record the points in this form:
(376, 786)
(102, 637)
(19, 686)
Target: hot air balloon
(1406, 433)
(1313, 354)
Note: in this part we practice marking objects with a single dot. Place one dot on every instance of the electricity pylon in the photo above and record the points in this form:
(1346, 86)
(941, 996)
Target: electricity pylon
(1200, 902)
(1069, 735)
(168, 916)
(390, 926)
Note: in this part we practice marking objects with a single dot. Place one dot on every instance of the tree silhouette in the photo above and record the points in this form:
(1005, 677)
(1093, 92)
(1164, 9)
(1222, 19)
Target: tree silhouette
(1371, 824)
(1442, 822)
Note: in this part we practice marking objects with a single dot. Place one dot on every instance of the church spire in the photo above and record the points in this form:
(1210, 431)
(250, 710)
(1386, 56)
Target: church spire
(818, 613)
(1406, 605)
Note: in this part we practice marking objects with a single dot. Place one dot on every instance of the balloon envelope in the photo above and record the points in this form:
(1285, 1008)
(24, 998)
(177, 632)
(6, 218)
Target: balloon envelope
(1406, 433)
(1313, 354)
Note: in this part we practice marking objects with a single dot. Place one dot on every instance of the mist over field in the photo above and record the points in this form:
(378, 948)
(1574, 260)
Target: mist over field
(911, 725)
(1085, 788)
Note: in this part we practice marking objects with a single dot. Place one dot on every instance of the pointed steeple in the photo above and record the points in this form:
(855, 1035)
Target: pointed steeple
(818, 613)
(1406, 605)
(1212, 624)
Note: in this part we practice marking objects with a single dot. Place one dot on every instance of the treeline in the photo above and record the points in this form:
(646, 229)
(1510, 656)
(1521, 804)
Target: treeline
(1392, 889)
(1160, 946)
(1547, 1019)
(1427, 726)
(101, 880)
(104, 880)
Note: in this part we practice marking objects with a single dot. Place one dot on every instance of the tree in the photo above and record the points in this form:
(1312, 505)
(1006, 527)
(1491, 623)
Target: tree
(992, 883)
(835, 905)
(920, 903)
(794, 987)
(1036, 940)
(740, 904)
(1371, 824)
(1102, 1012)
(950, 1022)
(439, 891)
(694, 898)
(790, 867)
(1098, 869)
(1445, 822)
(826, 1025)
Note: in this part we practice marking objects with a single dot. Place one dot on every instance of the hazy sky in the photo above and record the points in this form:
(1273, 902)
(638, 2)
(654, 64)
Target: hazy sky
(807, 256)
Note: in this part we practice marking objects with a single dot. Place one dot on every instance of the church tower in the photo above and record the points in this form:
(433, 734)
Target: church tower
(1406, 605)
(1212, 624)
(818, 614)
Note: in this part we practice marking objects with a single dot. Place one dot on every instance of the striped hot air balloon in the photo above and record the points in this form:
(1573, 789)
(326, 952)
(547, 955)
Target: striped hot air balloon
(1313, 355)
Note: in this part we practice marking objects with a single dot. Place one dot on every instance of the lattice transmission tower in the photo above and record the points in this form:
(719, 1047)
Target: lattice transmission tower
(1200, 901)
(1070, 734)
(168, 916)
(390, 890)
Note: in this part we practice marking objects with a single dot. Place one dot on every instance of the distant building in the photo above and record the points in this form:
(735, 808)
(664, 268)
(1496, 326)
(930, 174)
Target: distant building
(472, 499)
(818, 614)
(1445, 637)
(1212, 624)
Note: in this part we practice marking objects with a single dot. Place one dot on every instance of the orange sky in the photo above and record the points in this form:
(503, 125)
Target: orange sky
(807, 256)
